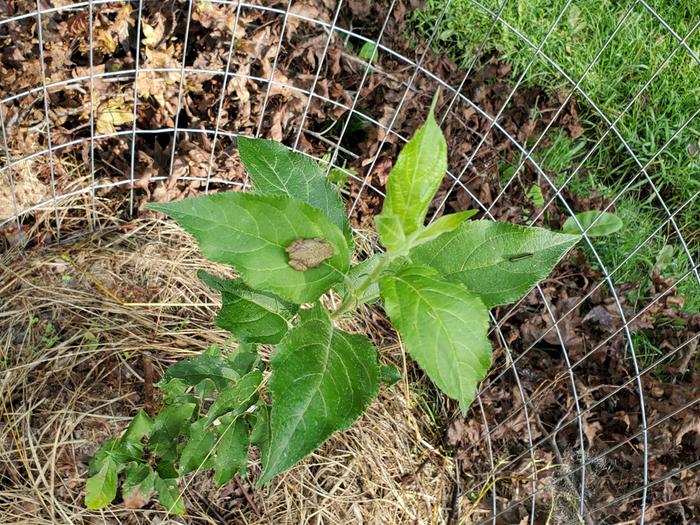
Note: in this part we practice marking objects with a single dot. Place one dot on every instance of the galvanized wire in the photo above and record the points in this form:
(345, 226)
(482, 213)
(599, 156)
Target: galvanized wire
(333, 30)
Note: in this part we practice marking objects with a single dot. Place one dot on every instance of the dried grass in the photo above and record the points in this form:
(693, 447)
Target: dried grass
(72, 375)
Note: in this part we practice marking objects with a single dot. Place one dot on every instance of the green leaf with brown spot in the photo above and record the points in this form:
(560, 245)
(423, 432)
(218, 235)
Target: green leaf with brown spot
(252, 232)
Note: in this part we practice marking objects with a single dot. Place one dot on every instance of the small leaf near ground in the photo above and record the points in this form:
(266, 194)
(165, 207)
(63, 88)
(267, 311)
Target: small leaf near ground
(664, 258)
(171, 423)
(251, 233)
(368, 51)
(443, 326)
(593, 223)
(169, 495)
(137, 487)
(498, 262)
(236, 398)
(208, 365)
(277, 170)
(322, 380)
(535, 195)
(101, 488)
(112, 113)
(250, 316)
(231, 452)
(390, 374)
(340, 176)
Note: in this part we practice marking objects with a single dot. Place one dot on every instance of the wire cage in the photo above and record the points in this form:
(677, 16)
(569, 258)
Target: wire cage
(590, 414)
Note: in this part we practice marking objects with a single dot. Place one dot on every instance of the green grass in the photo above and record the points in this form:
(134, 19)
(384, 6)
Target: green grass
(645, 349)
(654, 250)
(629, 61)
(641, 221)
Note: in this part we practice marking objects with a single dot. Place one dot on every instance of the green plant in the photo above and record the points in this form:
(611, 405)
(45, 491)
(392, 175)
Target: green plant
(291, 243)
(593, 223)
(50, 337)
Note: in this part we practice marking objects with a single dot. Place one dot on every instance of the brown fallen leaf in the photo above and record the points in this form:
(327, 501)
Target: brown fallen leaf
(603, 317)
(104, 42)
(691, 425)
(135, 499)
(112, 113)
(591, 430)
(153, 34)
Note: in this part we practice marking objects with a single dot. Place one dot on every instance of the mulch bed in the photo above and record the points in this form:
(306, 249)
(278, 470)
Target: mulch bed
(528, 447)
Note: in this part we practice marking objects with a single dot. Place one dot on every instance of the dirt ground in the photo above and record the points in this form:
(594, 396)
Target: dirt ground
(566, 410)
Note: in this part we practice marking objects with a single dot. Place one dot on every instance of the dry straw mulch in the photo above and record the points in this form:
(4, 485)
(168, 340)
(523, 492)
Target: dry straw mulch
(72, 374)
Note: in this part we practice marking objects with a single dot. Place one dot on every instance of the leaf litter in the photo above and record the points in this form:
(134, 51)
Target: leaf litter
(78, 397)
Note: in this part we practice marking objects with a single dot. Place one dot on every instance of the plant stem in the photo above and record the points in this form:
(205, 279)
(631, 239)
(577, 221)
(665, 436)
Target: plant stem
(352, 300)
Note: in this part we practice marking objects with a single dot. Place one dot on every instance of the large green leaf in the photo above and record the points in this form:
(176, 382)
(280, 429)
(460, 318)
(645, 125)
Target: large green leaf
(101, 489)
(499, 262)
(251, 233)
(412, 183)
(231, 453)
(322, 379)
(443, 326)
(277, 170)
(251, 316)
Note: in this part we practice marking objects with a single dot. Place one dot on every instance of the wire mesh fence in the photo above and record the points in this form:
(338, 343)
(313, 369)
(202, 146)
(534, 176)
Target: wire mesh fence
(591, 411)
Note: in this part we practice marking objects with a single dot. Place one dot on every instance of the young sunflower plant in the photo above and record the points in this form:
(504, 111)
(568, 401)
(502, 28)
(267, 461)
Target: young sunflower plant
(290, 242)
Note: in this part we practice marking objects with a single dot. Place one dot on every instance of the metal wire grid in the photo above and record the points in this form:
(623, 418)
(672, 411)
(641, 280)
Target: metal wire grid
(498, 467)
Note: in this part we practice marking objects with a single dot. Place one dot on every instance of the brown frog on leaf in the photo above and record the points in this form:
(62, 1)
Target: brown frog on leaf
(309, 253)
